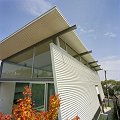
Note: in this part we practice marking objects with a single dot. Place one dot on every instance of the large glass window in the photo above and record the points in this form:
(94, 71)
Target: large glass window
(69, 49)
(32, 63)
(42, 61)
(19, 66)
(73, 53)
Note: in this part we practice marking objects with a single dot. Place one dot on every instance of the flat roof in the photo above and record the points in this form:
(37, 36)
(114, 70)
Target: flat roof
(39, 29)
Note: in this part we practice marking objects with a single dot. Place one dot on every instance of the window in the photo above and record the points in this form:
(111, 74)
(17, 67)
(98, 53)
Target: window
(32, 63)
(42, 61)
(73, 53)
(38, 94)
(19, 91)
(19, 66)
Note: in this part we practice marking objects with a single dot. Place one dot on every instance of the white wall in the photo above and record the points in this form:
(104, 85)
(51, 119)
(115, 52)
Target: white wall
(6, 97)
(76, 85)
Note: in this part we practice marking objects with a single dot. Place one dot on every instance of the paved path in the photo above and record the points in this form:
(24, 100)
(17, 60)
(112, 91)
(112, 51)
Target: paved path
(109, 111)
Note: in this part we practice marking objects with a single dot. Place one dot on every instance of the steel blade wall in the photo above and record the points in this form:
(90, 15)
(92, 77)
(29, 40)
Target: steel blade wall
(75, 83)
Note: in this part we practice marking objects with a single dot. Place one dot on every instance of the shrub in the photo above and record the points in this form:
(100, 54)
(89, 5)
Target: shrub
(24, 109)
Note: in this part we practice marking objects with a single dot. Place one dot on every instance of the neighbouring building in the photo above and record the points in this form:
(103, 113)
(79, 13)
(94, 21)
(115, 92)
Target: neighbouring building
(47, 55)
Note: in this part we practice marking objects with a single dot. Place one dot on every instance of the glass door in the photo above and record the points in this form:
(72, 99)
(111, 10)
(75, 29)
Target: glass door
(41, 93)
(38, 96)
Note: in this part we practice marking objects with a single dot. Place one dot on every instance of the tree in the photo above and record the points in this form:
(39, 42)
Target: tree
(112, 85)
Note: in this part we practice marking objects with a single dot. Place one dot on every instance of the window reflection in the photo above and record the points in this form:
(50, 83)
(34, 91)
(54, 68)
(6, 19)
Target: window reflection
(42, 61)
(19, 66)
(38, 96)
(23, 65)
(19, 91)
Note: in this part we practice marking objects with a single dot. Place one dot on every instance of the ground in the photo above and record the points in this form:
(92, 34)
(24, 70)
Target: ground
(108, 115)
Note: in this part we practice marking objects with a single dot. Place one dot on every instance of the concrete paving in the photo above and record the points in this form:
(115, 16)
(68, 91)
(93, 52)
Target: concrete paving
(109, 112)
(107, 115)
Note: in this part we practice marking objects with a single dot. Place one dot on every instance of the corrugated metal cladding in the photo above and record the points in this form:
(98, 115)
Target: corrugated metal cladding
(76, 85)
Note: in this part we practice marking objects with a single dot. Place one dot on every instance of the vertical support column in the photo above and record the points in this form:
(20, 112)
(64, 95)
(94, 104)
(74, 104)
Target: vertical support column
(46, 97)
(34, 49)
(33, 59)
(1, 66)
(57, 41)
(66, 46)
(80, 58)
(87, 64)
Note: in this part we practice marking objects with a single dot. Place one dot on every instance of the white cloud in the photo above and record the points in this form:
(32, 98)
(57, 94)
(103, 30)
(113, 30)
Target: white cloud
(112, 65)
(36, 7)
(110, 34)
(83, 30)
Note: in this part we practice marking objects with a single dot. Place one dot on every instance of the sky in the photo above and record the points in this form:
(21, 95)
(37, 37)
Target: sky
(98, 25)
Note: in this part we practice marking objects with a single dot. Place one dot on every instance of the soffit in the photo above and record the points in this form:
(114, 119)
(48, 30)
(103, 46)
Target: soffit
(36, 31)
(39, 29)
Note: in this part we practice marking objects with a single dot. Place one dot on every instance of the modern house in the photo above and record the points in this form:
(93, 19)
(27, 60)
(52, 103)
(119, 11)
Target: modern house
(47, 55)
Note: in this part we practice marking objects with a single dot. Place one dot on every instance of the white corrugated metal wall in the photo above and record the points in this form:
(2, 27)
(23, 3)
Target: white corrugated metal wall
(76, 85)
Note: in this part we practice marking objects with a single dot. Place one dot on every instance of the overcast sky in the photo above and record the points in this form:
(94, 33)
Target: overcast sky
(98, 25)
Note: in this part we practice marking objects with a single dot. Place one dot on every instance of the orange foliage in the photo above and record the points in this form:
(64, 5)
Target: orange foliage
(5, 117)
(76, 118)
(24, 109)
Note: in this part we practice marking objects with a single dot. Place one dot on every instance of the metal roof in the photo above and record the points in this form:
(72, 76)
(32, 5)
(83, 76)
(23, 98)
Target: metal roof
(39, 29)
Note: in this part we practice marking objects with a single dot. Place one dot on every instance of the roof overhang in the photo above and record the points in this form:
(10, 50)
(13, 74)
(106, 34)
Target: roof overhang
(39, 29)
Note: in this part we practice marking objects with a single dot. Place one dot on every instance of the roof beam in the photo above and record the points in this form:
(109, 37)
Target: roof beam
(95, 66)
(84, 53)
(98, 69)
(92, 62)
(65, 31)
